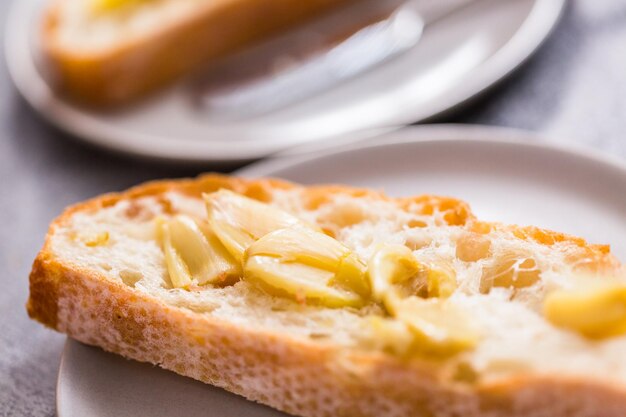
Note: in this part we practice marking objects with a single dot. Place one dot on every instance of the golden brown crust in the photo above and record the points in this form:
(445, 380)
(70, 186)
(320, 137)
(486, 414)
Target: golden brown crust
(587, 257)
(136, 67)
(302, 377)
(42, 304)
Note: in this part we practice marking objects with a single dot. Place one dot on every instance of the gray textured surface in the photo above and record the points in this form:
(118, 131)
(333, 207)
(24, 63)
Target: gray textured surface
(574, 89)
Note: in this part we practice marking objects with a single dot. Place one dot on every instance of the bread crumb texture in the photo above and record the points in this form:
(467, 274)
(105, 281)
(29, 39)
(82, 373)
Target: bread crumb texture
(103, 265)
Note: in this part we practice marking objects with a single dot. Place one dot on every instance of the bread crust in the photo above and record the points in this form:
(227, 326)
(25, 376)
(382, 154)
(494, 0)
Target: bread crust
(138, 66)
(302, 377)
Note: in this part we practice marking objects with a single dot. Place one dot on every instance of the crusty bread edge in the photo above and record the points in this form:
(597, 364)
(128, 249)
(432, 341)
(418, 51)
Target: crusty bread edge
(304, 378)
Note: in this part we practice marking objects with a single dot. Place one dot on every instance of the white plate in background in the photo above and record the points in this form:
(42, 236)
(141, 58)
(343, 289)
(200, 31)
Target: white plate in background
(505, 175)
(457, 57)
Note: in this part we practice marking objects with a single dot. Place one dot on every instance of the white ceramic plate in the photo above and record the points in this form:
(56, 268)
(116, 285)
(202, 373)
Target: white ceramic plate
(457, 57)
(93, 383)
(505, 175)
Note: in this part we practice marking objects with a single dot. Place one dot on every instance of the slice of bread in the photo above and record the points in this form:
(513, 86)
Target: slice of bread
(101, 278)
(106, 57)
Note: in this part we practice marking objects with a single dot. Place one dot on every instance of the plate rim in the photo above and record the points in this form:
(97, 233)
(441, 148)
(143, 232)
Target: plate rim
(58, 398)
(438, 133)
(530, 35)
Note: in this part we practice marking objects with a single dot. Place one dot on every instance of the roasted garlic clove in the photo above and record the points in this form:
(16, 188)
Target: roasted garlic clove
(395, 267)
(596, 312)
(207, 259)
(438, 327)
(308, 266)
(389, 265)
(193, 253)
(441, 280)
(392, 336)
(239, 221)
(177, 269)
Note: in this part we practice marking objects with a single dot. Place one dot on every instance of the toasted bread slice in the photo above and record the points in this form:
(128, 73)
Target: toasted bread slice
(101, 278)
(107, 52)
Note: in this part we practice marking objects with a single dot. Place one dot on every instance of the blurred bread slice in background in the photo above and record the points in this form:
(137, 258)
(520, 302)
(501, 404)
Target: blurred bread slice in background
(112, 52)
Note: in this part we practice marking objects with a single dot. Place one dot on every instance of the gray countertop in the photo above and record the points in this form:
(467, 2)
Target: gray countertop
(573, 90)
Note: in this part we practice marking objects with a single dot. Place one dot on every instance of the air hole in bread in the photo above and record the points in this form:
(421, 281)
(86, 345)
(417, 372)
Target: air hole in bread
(417, 242)
(106, 267)
(472, 247)
(415, 223)
(511, 270)
(130, 277)
(137, 211)
(342, 215)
